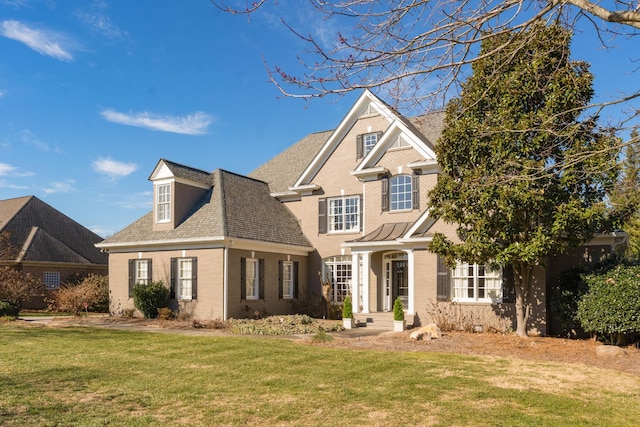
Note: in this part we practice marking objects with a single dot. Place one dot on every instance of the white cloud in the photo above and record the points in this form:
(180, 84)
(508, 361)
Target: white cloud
(5, 184)
(113, 168)
(46, 42)
(195, 124)
(28, 137)
(99, 21)
(2, 93)
(60, 187)
(5, 169)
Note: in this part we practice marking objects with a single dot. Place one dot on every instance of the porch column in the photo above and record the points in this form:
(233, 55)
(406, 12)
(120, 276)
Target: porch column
(355, 281)
(410, 261)
(366, 266)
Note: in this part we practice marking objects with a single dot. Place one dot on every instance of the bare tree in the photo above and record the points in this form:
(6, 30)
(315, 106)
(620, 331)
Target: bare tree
(417, 52)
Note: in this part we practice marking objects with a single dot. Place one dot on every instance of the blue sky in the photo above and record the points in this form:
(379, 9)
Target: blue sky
(94, 92)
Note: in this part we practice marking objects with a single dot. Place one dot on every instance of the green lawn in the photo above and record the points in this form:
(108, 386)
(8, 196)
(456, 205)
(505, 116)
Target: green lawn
(96, 377)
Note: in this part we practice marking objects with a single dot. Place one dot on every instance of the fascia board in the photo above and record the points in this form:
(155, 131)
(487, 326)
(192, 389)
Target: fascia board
(424, 223)
(340, 132)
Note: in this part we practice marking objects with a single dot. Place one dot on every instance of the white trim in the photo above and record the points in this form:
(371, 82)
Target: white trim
(370, 174)
(225, 284)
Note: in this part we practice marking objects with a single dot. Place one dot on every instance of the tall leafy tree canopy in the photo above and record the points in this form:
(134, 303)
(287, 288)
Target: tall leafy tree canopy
(518, 119)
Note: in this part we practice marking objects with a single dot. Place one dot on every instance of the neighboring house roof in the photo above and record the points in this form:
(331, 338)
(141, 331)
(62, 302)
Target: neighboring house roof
(285, 169)
(44, 234)
(235, 207)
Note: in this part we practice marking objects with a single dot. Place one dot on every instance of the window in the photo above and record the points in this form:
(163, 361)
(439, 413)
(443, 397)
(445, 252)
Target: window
(344, 214)
(139, 273)
(400, 193)
(476, 282)
(51, 279)
(184, 278)
(288, 279)
(337, 270)
(365, 143)
(163, 203)
(251, 278)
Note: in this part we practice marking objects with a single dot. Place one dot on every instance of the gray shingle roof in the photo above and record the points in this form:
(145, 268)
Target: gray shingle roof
(45, 234)
(283, 171)
(187, 172)
(236, 206)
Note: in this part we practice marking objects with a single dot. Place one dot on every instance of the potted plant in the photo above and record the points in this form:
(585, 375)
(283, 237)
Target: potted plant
(398, 316)
(347, 313)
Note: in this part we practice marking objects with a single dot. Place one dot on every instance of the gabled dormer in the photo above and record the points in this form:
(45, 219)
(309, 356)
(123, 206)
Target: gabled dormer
(176, 189)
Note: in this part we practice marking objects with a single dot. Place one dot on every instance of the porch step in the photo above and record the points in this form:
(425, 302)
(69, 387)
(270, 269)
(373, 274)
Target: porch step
(379, 320)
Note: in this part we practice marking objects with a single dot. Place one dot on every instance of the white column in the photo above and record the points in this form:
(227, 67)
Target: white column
(366, 263)
(355, 281)
(410, 261)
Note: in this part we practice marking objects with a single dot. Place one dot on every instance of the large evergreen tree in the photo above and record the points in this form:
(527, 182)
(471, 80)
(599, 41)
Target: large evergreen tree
(524, 174)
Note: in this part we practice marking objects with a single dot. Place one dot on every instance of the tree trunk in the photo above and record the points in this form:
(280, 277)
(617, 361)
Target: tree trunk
(523, 276)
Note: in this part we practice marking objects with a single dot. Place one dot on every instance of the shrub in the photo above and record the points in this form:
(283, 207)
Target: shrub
(165, 313)
(9, 309)
(398, 310)
(347, 308)
(92, 290)
(611, 307)
(148, 298)
(17, 288)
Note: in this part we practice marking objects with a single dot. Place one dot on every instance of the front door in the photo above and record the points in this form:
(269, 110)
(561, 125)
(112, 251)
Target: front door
(399, 281)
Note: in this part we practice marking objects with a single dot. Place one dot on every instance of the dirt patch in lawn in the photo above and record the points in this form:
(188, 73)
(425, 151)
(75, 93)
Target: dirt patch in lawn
(546, 349)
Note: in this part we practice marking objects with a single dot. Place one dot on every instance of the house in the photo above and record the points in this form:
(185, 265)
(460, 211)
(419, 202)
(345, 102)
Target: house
(48, 245)
(347, 207)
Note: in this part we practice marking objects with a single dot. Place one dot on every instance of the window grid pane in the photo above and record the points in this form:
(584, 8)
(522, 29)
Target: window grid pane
(369, 141)
(252, 278)
(142, 272)
(287, 279)
(473, 282)
(186, 277)
(51, 279)
(338, 270)
(164, 203)
(344, 213)
(401, 195)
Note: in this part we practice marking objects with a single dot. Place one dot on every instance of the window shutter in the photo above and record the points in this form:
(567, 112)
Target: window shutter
(415, 191)
(322, 216)
(150, 270)
(132, 275)
(378, 136)
(385, 194)
(508, 285)
(444, 280)
(194, 278)
(295, 279)
(280, 284)
(261, 279)
(359, 147)
(174, 267)
(243, 279)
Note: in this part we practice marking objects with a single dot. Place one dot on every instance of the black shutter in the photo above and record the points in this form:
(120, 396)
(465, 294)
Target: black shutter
(132, 276)
(508, 285)
(385, 194)
(261, 278)
(444, 280)
(194, 278)
(322, 216)
(295, 279)
(243, 279)
(359, 147)
(150, 270)
(174, 266)
(280, 276)
(415, 191)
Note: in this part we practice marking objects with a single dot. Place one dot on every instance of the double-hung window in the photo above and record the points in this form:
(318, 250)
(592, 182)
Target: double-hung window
(401, 192)
(476, 283)
(51, 279)
(288, 279)
(369, 140)
(140, 272)
(344, 214)
(184, 278)
(163, 202)
(337, 270)
(251, 278)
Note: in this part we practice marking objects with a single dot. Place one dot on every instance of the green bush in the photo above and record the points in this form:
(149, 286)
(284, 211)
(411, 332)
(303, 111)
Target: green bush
(148, 298)
(9, 309)
(398, 310)
(347, 308)
(611, 307)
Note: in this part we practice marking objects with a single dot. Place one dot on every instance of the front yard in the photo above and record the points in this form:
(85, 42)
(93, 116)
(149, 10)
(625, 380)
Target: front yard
(87, 376)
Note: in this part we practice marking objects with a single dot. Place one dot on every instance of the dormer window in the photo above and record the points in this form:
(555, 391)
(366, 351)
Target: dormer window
(163, 202)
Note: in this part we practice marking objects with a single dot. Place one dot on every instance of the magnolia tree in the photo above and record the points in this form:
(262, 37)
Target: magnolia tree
(505, 138)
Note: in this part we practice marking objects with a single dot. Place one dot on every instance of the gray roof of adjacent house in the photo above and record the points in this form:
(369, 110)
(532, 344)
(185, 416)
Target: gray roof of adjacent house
(42, 233)
(234, 207)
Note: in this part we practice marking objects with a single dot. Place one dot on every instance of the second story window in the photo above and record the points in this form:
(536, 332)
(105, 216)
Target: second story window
(163, 203)
(365, 143)
(340, 214)
(400, 193)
